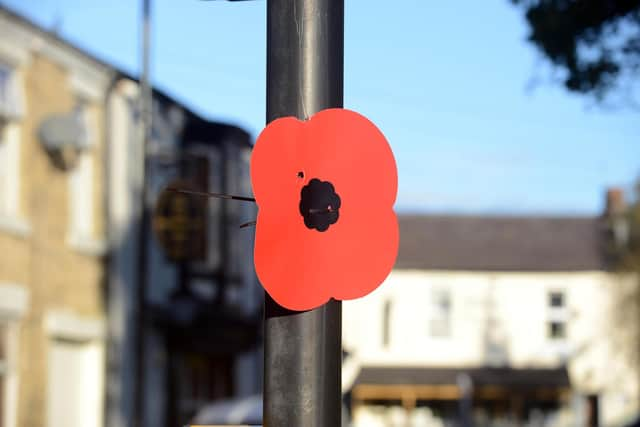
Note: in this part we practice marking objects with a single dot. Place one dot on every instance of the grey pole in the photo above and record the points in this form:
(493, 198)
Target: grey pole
(143, 249)
(303, 356)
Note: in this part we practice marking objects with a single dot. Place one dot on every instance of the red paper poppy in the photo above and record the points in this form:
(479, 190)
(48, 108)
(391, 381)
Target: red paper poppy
(325, 190)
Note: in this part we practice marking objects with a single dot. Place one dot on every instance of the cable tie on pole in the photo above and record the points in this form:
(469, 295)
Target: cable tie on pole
(209, 194)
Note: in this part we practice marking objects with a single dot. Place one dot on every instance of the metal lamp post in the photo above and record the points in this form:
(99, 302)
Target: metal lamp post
(303, 356)
(303, 350)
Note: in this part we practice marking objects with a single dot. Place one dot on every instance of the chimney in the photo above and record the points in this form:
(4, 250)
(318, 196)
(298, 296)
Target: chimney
(615, 205)
(614, 213)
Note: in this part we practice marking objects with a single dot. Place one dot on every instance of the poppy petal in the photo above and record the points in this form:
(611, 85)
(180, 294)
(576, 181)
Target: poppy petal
(301, 260)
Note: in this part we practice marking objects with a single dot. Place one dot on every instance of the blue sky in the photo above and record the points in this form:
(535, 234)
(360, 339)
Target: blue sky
(447, 82)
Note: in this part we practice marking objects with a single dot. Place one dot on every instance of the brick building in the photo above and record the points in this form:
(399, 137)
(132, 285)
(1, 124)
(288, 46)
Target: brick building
(52, 229)
(70, 161)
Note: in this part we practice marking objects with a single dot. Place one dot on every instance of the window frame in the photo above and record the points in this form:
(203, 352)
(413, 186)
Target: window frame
(11, 219)
(81, 198)
(553, 299)
(9, 378)
(440, 312)
(87, 335)
(11, 95)
(557, 315)
(387, 309)
(82, 232)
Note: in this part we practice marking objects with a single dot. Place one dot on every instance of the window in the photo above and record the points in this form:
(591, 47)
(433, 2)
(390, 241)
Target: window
(74, 383)
(8, 169)
(557, 315)
(82, 117)
(557, 330)
(4, 370)
(75, 370)
(386, 324)
(10, 99)
(8, 391)
(556, 299)
(10, 110)
(440, 320)
(81, 181)
(81, 198)
(199, 379)
(5, 86)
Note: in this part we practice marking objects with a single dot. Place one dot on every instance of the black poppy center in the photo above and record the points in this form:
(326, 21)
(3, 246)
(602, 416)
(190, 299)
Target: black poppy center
(319, 204)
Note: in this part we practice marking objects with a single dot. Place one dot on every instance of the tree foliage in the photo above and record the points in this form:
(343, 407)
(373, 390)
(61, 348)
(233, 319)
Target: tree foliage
(597, 42)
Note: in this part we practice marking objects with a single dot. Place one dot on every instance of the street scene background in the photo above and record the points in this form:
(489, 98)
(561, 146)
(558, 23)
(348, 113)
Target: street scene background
(515, 297)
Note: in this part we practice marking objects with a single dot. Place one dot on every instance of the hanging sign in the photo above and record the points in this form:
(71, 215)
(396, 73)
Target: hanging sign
(179, 223)
(325, 190)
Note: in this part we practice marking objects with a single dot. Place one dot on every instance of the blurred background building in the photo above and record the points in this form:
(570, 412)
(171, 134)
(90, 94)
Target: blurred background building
(502, 318)
(70, 232)
(495, 321)
(203, 303)
(53, 229)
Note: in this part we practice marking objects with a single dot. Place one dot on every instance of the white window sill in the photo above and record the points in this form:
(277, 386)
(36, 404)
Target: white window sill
(87, 245)
(69, 325)
(14, 225)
